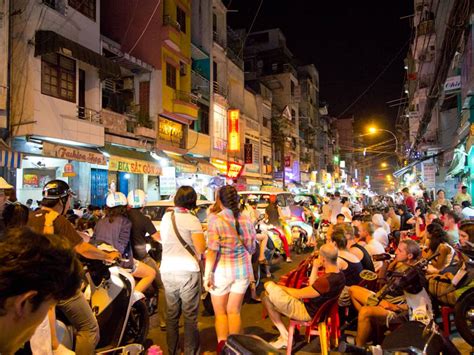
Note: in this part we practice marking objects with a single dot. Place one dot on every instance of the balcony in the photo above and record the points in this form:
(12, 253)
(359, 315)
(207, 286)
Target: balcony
(219, 89)
(88, 114)
(118, 124)
(185, 104)
(201, 87)
(235, 58)
(220, 40)
(171, 32)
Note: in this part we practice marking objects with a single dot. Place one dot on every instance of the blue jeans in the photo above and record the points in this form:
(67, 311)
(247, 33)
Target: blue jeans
(183, 294)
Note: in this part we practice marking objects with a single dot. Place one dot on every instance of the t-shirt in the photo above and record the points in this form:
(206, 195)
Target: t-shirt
(394, 223)
(62, 226)
(335, 206)
(411, 203)
(175, 257)
(460, 198)
(453, 236)
(374, 248)
(347, 213)
(468, 213)
(141, 225)
(381, 235)
(328, 286)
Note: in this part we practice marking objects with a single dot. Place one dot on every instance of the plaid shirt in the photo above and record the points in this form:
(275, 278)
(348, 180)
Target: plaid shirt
(222, 238)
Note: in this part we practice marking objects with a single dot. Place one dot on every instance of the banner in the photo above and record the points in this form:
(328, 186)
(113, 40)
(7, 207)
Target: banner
(133, 166)
(71, 153)
(248, 153)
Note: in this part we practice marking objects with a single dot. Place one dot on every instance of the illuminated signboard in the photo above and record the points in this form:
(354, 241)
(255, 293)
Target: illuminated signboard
(234, 170)
(171, 132)
(219, 136)
(221, 165)
(234, 137)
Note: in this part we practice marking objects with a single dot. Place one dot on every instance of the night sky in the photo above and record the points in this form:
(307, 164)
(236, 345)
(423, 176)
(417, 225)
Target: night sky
(350, 42)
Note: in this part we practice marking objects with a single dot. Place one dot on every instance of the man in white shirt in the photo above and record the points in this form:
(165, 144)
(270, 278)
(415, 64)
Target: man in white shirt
(380, 233)
(373, 247)
(467, 210)
(335, 205)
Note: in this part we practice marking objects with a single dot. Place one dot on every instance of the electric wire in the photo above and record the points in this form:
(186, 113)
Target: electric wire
(250, 28)
(146, 27)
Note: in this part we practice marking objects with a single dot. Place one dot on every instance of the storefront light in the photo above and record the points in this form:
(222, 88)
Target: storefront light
(127, 176)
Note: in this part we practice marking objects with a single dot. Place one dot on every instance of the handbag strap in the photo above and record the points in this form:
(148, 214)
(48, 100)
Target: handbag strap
(181, 240)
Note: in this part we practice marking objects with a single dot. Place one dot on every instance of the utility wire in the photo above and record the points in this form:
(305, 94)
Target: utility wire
(250, 28)
(146, 27)
(376, 79)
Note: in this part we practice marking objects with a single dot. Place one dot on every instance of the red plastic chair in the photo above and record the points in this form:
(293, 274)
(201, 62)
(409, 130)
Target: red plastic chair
(325, 324)
(445, 312)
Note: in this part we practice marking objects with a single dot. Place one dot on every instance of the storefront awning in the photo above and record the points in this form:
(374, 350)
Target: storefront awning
(182, 165)
(131, 161)
(11, 160)
(203, 166)
(50, 42)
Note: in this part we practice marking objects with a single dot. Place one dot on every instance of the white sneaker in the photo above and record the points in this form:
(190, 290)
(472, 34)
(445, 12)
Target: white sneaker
(280, 343)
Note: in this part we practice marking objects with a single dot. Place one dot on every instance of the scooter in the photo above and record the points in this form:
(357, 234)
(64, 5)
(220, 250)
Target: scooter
(120, 311)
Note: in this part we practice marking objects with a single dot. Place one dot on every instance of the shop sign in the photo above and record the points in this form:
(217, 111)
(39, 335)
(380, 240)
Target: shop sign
(287, 161)
(234, 170)
(71, 153)
(248, 153)
(220, 128)
(221, 165)
(429, 175)
(133, 166)
(452, 83)
(234, 136)
(168, 181)
(68, 171)
(171, 131)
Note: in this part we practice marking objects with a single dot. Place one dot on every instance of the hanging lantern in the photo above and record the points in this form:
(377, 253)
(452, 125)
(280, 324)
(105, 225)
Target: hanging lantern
(68, 170)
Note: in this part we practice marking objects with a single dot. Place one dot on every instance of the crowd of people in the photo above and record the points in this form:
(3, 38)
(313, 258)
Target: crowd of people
(216, 258)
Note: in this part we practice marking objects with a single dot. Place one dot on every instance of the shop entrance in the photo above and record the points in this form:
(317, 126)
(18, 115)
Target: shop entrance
(123, 182)
(99, 186)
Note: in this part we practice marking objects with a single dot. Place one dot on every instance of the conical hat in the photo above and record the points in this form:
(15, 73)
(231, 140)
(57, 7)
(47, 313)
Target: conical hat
(4, 185)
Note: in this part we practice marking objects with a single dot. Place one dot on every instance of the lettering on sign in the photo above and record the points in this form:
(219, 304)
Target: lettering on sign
(248, 156)
(234, 170)
(453, 83)
(133, 166)
(70, 153)
(170, 131)
(234, 137)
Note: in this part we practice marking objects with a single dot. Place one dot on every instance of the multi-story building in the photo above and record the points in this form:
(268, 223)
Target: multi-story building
(434, 101)
(268, 59)
(309, 127)
(345, 129)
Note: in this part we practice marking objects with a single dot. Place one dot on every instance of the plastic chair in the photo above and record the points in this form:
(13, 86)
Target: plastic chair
(326, 317)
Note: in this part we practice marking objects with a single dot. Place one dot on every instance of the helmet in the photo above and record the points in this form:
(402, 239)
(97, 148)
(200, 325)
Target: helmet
(136, 198)
(57, 189)
(115, 199)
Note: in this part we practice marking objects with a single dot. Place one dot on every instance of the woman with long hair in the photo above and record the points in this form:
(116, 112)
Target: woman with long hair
(114, 229)
(274, 216)
(231, 243)
(438, 244)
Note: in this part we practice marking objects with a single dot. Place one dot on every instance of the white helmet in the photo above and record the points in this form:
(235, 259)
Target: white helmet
(115, 199)
(136, 198)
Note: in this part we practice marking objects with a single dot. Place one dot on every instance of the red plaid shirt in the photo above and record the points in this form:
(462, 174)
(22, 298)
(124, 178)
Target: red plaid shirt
(222, 238)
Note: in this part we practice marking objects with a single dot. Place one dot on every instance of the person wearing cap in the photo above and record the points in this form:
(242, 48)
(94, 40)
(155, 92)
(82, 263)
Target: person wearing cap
(142, 230)
(462, 196)
(50, 219)
(115, 229)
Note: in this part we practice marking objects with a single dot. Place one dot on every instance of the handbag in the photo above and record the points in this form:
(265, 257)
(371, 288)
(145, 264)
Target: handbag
(186, 245)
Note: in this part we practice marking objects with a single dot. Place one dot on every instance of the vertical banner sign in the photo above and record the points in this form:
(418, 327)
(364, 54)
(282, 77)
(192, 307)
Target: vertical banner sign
(248, 153)
(234, 136)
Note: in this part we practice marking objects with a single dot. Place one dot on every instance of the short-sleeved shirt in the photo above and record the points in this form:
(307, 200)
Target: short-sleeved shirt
(375, 248)
(411, 203)
(175, 257)
(453, 236)
(328, 286)
(62, 226)
(141, 225)
(235, 260)
(381, 235)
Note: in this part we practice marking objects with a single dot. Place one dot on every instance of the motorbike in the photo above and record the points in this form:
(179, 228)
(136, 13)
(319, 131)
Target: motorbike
(120, 311)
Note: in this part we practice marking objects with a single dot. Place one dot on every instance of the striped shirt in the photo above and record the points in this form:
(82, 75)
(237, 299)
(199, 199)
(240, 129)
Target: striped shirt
(233, 259)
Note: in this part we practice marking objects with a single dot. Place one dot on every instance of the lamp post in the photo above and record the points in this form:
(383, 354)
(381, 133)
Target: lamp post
(373, 130)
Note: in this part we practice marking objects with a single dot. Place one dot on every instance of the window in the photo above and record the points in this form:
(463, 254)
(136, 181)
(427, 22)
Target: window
(181, 19)
(293, 115)
(266, 121)
(85, 7)
(58, 76)
(170, 76)
(144, 98)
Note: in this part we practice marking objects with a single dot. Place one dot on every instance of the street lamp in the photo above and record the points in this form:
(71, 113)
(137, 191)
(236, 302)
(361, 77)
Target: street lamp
(383, 165)
(373, 130)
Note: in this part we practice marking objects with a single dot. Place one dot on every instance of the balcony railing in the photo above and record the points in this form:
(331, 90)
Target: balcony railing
(220, 40)
(88, 114)
(219, 89)
(200, 85)
(235, 58)
(187, 97)
(169, 21)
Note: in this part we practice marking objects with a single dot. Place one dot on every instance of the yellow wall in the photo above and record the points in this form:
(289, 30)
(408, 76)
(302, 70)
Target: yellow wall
(183, 41)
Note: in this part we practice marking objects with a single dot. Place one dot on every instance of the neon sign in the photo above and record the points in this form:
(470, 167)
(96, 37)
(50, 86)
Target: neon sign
(234, 137)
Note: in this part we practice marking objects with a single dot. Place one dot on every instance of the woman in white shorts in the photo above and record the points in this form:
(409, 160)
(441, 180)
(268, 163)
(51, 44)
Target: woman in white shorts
(231, 243)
